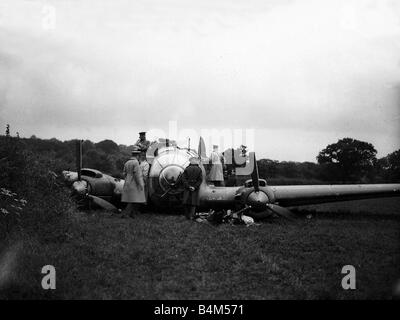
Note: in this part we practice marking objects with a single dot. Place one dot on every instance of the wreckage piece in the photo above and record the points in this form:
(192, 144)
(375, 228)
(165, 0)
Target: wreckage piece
(225, 216)
(103, 203)
(92, 185)
(281, 211)
(216, 217)
(248, 221)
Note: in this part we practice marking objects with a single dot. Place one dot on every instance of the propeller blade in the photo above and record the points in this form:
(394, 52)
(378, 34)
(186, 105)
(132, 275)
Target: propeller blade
(79, 158)
(254, 175)
(166, 192)
(281, 211)
(102, 203)
(259, 215)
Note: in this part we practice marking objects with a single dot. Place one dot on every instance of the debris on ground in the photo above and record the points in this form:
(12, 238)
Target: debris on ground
(248, 221)
(217, 217)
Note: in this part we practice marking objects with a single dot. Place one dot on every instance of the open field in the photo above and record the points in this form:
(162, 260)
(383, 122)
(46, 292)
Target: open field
(368, 207)
(167, 257)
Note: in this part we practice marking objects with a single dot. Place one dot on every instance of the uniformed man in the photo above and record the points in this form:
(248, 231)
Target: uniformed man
(216, 175)
(145, 167)
(142, 144)
(133, 190)
(191, 179)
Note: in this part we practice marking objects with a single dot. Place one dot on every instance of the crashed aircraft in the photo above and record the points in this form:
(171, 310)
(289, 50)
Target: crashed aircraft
(255, 197)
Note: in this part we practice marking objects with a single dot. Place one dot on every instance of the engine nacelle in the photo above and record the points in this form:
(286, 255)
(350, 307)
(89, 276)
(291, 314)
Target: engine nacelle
(257, 200)
(165, 172)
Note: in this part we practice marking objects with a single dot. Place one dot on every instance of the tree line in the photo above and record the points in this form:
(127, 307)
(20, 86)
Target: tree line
(345, 161)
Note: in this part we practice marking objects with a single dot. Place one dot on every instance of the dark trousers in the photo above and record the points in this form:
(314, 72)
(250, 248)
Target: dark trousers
(190, 211)
(131, 209)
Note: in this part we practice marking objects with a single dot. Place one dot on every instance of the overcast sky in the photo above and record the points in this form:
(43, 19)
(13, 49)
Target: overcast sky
(300, 74)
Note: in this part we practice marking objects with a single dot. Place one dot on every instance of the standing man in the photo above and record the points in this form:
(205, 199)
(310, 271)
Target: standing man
(133, 190)
(216, 173)
(192, 177)
(145, 167)
(142, 144)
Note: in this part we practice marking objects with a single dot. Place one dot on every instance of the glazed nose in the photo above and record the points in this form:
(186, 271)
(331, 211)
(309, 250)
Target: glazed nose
(170, 175)
(70, 176)
(257, 200)
(80, 187)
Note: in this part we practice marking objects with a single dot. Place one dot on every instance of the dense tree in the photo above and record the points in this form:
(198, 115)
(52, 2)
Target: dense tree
(108, 146)
(289, 172)
(332, 167)
(354, 158)
(12, 156)
(268, 168)
(87, 145)
(98, 160)
(390, 166)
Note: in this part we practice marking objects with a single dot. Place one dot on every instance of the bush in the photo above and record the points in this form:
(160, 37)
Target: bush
(11, 207)
(33, 199)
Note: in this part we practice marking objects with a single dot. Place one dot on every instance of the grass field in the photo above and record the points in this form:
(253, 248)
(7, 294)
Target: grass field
(158, 256)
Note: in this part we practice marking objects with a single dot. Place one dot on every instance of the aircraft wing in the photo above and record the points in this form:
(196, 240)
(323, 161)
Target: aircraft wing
(314, 194)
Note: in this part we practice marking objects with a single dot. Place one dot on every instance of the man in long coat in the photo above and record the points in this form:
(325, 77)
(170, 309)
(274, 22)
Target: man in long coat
(133, 191)
(216, 173)
(192, 178)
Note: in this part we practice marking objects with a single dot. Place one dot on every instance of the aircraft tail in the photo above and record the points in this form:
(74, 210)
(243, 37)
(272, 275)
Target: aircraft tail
(202, 149)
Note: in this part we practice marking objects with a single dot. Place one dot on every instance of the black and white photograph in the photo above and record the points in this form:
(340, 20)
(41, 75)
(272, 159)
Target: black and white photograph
(205, 152)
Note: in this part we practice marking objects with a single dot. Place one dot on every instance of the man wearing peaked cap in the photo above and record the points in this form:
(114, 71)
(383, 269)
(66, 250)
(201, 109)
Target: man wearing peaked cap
(133, 192)
(142, 143)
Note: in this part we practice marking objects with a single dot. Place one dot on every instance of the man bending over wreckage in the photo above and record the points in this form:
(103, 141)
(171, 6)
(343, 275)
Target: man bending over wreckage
(192, 177)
